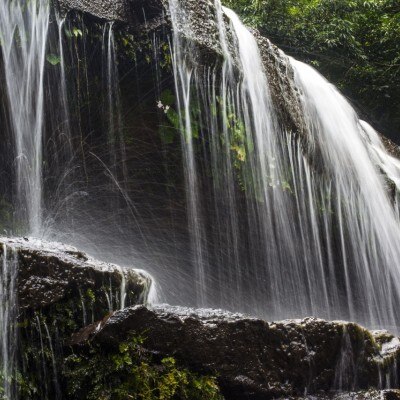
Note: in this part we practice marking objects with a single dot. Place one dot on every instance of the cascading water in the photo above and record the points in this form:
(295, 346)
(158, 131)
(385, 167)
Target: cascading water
(24, 27)
(184, 74)
(112, 107)
(368, 226)
(314, 230)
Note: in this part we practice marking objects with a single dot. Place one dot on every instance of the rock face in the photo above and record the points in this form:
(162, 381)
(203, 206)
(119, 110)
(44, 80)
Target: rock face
(50, 272)
(254, 359)
(59, 290)
(125, 11)
(149, 15)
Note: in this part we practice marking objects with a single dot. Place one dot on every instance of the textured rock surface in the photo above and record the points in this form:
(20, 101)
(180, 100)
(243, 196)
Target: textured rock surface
(59, 291)
(51, 272)
(115, 10)
(366, 395)
(255, 359)
(125, 11)
(144, 16)
(147, 15)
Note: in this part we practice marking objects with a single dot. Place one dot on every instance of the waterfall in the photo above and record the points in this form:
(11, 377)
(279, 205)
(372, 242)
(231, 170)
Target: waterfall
(280, 223)
(369, 227)
(294, 227)
(184, 75)
(112, 107)
(24, 27)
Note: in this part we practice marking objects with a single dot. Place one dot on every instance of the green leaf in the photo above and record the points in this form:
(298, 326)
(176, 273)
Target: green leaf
(167, 97)
(53, 59)
(77, 32)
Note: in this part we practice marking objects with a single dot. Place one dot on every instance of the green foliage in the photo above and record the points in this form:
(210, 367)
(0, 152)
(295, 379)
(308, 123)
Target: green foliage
(175, 120)
(77, 32)
(355, 43)
(73, 32)
(90, 296)
(238, 139)
(53, 59)
(128, 373)
(99, 373)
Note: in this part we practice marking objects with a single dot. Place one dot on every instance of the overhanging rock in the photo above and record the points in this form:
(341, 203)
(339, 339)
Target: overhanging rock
(125, 11)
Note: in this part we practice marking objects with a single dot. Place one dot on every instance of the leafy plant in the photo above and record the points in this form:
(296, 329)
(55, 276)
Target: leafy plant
(53, 59)
(130, 373)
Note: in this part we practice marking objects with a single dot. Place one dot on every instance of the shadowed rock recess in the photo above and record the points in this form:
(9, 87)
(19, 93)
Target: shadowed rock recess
(142, 17)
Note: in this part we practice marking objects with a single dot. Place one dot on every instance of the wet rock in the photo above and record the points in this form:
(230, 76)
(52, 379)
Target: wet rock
(148, 15)
(59, 291)
(128, 12)
(50, 273)
(391, 147)
(115, 10)
(388, 394)
(258, 360)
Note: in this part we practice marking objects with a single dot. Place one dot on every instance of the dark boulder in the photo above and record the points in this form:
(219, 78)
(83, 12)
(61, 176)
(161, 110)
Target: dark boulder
(50, 273)
(55, 291)
(255, 359)
(128, 12)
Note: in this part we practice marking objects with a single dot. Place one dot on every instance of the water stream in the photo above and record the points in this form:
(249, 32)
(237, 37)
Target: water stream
(24, 26)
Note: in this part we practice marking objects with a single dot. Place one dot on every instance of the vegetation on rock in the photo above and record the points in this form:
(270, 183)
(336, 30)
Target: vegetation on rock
(129, 372)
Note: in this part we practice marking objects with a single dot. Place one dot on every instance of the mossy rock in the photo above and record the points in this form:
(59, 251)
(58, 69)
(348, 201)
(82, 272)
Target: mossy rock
(58, 291)
(254, 359)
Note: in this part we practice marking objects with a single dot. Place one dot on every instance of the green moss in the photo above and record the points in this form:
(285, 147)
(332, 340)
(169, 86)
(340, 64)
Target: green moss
(48, 367)
(91, 296)
(43, 337)
(130, 373)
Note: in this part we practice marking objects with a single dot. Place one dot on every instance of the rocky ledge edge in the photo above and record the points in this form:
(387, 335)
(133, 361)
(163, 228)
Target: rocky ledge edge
(254, 359)
(47, 273)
